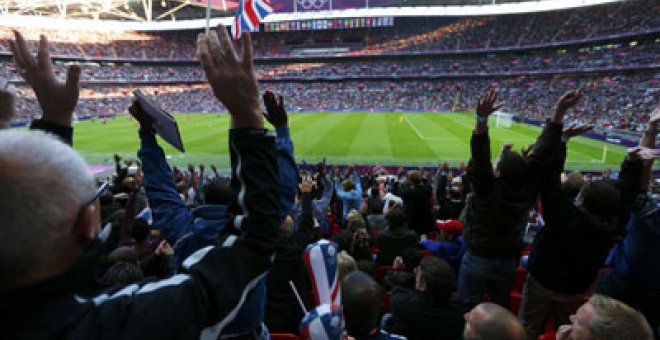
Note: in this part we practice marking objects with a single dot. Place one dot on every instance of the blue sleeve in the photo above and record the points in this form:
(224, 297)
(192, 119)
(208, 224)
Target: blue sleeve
(321, 204)
(358, 186)
(340, 192)
(169, 212)
(288, 176)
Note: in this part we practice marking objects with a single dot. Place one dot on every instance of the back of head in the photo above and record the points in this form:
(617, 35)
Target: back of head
(411, 258)
(122, 273)
(601, 198)
(614, 320)
(345, 264)
(512, 167)
(123, 254)
(415, 177)
(494, 323)
(361, 297)
(218, 192)
(438, 278)
(395, 219)
(348, 185)
(356, 222)
(140, 230)
(573, 183)
(43, 184)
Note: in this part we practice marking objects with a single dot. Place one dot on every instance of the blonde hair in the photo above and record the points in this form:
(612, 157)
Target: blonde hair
(614, 320)
(345, 264)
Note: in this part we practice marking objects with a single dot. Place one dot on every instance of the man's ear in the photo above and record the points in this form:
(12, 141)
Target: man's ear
(87, 227)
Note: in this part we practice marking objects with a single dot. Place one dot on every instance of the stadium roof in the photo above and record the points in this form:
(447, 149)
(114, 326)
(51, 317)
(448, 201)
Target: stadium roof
(148, 15)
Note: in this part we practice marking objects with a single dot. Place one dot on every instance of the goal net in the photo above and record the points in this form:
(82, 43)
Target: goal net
(503, 119)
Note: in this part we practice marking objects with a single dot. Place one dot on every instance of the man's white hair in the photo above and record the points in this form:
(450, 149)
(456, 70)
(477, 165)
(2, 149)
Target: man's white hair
(43, 184)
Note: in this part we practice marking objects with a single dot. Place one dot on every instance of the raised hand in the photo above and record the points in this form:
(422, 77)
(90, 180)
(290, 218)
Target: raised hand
(643, 153)
(526, 151)
(58, 100)
(486, 105)
(654, 119)
(306, 185)
(232, 79)
(6, 103)
(141, 116)
(565, 102)
(275, 110)
(576, 130)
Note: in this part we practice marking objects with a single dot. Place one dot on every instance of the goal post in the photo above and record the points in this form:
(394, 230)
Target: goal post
(503, 119)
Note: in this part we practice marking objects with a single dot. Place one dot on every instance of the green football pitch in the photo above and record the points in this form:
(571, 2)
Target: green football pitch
(414, 139)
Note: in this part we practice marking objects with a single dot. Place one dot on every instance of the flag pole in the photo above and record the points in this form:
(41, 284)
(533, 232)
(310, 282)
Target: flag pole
(208, 16)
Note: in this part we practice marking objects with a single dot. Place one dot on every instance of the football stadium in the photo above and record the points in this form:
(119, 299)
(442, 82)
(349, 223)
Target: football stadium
(330, 169)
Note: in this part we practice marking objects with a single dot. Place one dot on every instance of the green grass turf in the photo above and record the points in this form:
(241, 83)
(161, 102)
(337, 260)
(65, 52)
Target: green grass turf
(419, 139)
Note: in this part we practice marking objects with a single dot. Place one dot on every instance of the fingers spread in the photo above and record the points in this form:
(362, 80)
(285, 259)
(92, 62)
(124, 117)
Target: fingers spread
(205, 54)
(28, 61)
(227, 46)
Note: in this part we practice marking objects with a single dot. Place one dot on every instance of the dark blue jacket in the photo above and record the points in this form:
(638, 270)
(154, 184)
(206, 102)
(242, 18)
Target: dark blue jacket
(636, 257)
(190, 231)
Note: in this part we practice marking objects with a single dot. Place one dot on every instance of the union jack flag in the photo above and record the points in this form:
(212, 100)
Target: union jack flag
(324, 322)
(321, 261)
(249, 14)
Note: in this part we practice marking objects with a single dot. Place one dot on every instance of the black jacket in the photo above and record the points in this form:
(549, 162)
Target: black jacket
(571, 248)
(496, 217)
(201, 302)
(416, 316)
(391, 244)
(417, 207)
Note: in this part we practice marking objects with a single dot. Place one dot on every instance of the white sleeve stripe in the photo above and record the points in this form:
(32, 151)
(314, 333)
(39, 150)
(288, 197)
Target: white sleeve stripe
(135, 289)
(213, 332)
(196, 257)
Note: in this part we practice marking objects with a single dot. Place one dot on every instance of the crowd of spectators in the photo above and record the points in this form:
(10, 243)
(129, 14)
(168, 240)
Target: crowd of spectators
(168, 253)
(407, 35)
(626, 54)
(616, 101)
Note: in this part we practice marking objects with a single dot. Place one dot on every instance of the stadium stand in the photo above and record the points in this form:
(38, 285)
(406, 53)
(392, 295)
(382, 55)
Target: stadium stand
(229, 257)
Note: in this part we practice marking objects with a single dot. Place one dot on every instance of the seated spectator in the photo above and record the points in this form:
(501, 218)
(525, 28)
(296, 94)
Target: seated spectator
(361, 297)
(403, 270)
(604, 318)
(492, 322)
(429, 311)
(345, 264)
(395, 239)
(122, 273)
(374, 212)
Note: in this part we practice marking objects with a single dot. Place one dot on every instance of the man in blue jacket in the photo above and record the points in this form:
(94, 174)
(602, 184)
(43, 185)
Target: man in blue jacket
(635, 276)
(54, 295)
(190, 231)
(350, 193)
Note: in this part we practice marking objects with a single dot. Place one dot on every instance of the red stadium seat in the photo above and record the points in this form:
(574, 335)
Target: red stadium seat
(284, 336)
(515, 302)
(381, 272)
(521, 274)
(385, 303)
(548, 336)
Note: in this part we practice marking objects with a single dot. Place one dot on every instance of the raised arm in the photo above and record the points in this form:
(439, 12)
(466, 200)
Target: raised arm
(648, 141)
(169, 211)
(220, 277)
(480, 167)
(57, 100)
(276, 115)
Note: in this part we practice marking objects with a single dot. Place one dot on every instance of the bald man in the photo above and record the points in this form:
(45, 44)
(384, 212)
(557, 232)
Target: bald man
(361, 297)
(488, 321)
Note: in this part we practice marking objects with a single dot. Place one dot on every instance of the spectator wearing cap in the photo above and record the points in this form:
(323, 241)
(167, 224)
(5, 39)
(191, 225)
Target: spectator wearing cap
(448, 244)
